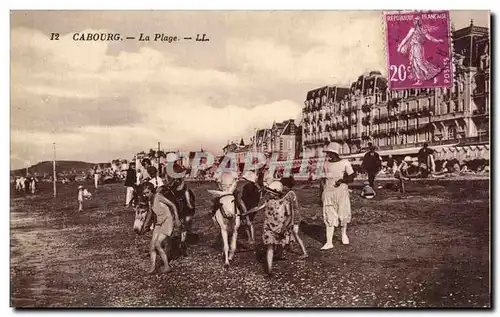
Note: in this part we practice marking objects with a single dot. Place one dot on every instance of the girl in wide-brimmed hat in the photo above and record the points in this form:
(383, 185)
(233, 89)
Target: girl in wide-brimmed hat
(279, 222)
(336, 200)
(83, 194)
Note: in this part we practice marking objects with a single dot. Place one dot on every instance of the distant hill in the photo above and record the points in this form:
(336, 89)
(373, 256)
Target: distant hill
(63, 167)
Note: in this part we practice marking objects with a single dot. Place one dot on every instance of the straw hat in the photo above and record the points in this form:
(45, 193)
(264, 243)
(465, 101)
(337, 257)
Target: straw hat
(333, 147)
(276, 186)
(250, 176)
(171, 157)
(408, 159)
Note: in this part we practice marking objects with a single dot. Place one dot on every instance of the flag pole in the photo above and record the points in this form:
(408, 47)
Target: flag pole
(54, 171)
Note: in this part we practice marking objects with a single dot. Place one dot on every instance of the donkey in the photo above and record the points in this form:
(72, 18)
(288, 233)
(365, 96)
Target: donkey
(227, 217)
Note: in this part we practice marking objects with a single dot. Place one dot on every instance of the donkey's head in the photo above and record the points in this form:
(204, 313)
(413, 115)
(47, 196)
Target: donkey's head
(142, 220)
(226, 201)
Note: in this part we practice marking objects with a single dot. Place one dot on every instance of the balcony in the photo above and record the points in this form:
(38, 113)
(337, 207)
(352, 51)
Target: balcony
(424, 112)
(393, 116)
(423, 126)
(411, 128)
(382, 132)
(365, 136)
(366, 108)
(366, 120)
(479, 112)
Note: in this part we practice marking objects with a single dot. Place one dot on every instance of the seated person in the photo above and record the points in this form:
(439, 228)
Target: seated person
(367, 192)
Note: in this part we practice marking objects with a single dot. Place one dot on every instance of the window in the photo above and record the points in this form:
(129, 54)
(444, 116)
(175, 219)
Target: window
(452, 133)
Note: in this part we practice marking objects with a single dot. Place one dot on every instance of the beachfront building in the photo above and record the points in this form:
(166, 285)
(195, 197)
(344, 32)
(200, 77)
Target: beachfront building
(401, 121)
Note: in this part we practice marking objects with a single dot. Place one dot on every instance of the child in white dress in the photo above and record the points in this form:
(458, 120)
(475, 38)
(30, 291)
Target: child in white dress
(336, 200)
(83, 194)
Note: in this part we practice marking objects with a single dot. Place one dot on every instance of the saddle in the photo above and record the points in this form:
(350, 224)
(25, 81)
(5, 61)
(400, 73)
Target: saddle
(178, 197)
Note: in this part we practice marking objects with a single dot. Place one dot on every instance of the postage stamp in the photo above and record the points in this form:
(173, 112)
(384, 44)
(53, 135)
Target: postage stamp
(419, 49)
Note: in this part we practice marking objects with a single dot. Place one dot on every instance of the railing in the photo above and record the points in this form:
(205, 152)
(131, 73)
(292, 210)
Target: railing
(479, 112)
(366, 108)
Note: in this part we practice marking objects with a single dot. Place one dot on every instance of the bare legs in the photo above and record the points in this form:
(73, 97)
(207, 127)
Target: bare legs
(249, 230)
(299, 241)
(269, 258)
(345, 238)
(156, 246)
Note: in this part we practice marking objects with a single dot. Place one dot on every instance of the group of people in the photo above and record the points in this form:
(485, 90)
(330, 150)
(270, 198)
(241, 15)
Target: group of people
(276, 197)
(26, 184)
(146, 187)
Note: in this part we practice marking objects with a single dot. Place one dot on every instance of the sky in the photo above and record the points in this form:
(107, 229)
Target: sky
(104, 100)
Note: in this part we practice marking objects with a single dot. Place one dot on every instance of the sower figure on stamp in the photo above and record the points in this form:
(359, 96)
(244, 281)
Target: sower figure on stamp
(413, 45)
(336, 200)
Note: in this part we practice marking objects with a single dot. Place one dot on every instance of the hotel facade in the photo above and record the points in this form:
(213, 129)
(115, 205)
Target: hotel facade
(368, 111)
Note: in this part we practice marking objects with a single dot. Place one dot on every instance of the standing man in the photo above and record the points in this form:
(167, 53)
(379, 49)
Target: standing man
(130, 181)
(146, 168)
(391, 166)
(371, 164)
(425, 157)
(97, 175)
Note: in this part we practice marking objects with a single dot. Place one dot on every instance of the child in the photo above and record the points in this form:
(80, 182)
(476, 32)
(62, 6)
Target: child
(166, 218)
(279, 218)
(336, 199)
(295, 218)
(83, 194)
(367, 192)
(402, 173)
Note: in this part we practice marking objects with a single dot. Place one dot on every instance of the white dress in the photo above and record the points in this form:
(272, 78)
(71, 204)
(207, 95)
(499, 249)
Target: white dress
(336, 201)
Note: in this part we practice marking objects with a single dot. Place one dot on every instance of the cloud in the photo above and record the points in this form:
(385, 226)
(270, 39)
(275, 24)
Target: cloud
(340, 52)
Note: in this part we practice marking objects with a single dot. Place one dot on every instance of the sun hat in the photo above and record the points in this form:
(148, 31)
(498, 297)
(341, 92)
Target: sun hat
(333, 147)
(171, 157)
(275, 188)
(250, 176)
(408, 159)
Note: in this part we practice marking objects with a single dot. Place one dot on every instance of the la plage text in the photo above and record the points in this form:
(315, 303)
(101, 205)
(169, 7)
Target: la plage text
(110, 37)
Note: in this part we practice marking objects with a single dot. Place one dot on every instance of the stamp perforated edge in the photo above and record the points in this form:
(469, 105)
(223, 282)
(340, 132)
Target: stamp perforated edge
(386, 47)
